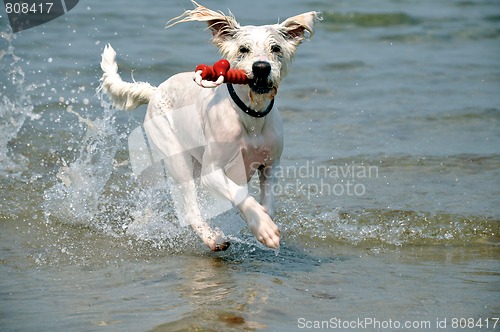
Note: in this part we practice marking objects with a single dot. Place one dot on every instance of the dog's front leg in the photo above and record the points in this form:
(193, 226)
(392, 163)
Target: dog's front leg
(258, 220)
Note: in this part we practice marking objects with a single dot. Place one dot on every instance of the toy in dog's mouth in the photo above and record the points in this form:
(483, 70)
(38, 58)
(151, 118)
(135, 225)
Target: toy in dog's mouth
(220, 72)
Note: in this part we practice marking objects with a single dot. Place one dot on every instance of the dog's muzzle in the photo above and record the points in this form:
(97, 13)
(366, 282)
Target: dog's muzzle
(260, 82)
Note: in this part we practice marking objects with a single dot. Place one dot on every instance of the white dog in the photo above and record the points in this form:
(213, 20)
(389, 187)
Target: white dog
(221, 135)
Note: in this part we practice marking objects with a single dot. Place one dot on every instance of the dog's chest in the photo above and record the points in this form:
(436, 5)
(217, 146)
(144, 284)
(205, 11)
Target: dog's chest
(257, 149)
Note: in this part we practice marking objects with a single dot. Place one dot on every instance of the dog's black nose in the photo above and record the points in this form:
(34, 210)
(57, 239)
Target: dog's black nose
(261, 69)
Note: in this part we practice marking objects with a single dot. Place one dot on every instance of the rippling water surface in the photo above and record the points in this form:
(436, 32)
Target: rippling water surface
(388, 199)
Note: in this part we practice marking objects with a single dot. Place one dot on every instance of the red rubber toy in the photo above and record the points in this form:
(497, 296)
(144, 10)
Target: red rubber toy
(222, 68)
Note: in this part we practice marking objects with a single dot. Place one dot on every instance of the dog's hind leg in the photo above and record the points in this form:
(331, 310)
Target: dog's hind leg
(180, 166)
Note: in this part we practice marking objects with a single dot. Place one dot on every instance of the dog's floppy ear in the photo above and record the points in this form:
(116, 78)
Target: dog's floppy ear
(222, 26)
(298, 28)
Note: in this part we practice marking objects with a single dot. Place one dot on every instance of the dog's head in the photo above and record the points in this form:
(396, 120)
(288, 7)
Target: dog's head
(264, 52)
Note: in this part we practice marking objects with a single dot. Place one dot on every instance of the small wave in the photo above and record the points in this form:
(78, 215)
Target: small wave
(469, 163)
(469, 114)
(349, 65)
(493, 18)
(391, 227)
(336, 21)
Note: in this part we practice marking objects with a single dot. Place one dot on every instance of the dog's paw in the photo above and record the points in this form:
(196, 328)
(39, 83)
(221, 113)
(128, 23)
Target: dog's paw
(259, 222)
(213, 238)
(221, 246)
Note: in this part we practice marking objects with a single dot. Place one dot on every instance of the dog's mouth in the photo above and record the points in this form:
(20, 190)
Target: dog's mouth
(261, 86)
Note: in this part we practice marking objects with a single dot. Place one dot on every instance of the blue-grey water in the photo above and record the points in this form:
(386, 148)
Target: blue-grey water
(389, 199)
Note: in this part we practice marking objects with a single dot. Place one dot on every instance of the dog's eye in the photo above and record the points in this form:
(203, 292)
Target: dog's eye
(276, 49)
(244, 49)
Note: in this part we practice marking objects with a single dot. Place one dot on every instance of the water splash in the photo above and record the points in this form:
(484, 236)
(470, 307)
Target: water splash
(15, 103)
(96, 191)
(76, 197)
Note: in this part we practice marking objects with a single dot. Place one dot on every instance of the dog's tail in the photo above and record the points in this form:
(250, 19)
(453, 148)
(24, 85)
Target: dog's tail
(126, 96)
